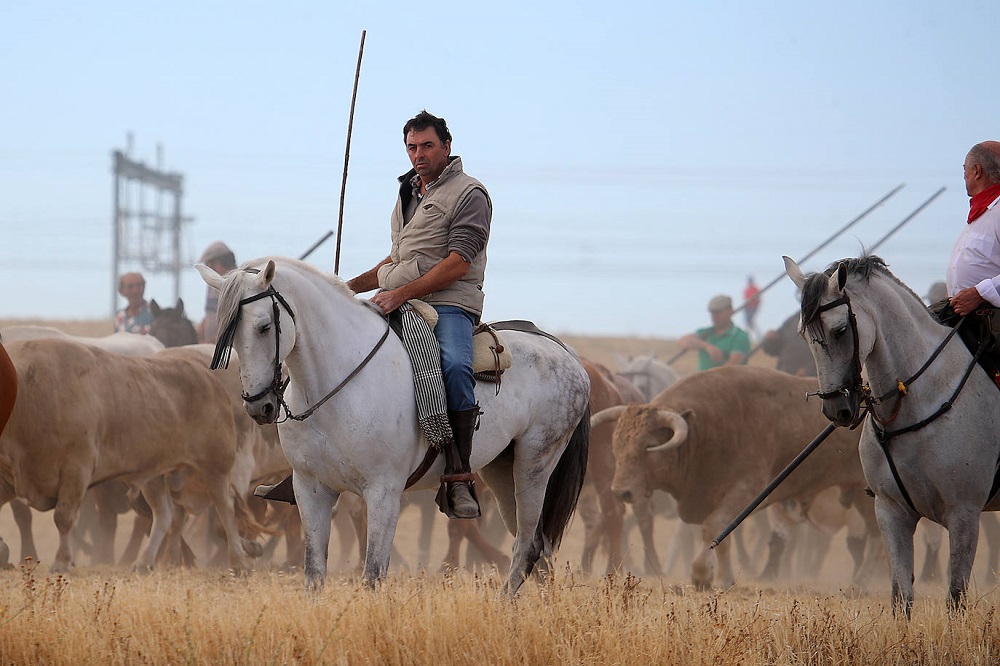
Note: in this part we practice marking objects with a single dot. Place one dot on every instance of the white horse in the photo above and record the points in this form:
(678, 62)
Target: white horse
(931, 441)
(122, 342)
(355, 425)
(648, 374)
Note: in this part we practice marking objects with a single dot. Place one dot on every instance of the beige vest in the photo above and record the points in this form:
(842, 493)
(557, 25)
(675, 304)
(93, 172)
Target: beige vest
(423, 242)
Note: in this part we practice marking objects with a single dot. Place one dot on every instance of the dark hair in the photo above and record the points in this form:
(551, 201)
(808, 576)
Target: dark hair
(422, 121)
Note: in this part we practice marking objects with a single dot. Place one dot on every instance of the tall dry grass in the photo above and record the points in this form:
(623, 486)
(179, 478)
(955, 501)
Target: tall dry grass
(210, 617)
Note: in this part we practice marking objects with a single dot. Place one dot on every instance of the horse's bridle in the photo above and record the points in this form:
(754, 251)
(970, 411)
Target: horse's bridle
(277, 386)
(856, 386)
(859, 388)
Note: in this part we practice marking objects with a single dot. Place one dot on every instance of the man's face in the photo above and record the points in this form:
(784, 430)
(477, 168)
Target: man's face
(428, 154)
(970, 177)
(720, 317)
(133, 288)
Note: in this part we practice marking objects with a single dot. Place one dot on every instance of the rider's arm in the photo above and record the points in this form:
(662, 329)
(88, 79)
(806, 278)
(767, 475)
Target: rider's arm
(367, 280)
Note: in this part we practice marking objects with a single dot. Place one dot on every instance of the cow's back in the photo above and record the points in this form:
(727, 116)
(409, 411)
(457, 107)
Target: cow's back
(82, 409)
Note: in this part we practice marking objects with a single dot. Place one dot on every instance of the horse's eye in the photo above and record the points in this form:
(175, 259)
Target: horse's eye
(839, 332)
(264, 328)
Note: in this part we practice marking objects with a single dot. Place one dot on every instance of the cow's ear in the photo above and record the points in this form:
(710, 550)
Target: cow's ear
(688, 415)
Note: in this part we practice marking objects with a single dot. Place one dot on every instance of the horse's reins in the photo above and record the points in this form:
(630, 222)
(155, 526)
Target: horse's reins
(277, 386)
(864, 390)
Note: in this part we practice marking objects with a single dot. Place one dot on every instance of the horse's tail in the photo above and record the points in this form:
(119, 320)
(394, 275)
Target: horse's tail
(566, 482)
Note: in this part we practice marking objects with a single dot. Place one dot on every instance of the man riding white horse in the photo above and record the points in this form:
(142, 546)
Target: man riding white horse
(440, 226)
(973, 275)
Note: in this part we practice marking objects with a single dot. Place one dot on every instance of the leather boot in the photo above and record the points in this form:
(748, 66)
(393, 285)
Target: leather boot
(457, 496)
(277, 492)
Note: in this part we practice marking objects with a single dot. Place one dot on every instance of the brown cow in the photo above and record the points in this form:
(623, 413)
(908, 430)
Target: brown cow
(716, 439)
(84, 416)
(606, 524)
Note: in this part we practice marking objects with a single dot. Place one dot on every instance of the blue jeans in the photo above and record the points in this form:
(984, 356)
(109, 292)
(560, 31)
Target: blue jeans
(454, 335)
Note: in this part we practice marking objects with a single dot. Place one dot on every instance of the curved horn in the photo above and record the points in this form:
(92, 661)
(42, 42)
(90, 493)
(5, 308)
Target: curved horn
(673, 420)
(606, 415)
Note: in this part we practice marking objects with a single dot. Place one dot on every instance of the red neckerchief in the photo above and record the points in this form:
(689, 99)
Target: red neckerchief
(980, 203)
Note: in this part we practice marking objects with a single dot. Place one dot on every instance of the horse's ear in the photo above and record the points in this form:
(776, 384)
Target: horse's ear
(836, 283)
(154, 308)
(267, 275)
(180, 307)
(795, 273)
(841, 276)
(211, 278)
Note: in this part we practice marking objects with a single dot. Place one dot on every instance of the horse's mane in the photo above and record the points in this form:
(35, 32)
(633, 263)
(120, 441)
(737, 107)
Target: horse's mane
(232, 288)
(816, 283)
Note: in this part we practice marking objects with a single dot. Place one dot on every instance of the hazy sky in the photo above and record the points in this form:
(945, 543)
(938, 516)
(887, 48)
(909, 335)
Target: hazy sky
(641, 156)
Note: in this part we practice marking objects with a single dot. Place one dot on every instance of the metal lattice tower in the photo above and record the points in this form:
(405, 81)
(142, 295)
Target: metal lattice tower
(147, 220)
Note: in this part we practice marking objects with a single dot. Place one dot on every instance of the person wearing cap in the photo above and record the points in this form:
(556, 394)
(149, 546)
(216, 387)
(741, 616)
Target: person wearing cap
(136, 317)
(221, 259)
(722, 343)
(439, 229)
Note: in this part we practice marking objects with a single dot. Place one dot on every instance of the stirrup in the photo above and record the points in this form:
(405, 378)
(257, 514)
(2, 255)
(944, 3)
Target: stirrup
(277, 492)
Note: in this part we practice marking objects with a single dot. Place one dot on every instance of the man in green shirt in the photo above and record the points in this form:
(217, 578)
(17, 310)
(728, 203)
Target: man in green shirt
(722, 343)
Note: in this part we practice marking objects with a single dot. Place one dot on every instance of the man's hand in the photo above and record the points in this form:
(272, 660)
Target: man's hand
(714, 353)
(966, 301)
(389, 300)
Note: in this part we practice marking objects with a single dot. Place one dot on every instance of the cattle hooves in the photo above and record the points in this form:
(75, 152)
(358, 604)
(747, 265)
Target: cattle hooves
(142, 569)
(252, 548)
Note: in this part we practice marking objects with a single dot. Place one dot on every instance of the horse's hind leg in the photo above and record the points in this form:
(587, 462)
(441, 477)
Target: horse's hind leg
(963, 537)
(529, 544)
(383, 516)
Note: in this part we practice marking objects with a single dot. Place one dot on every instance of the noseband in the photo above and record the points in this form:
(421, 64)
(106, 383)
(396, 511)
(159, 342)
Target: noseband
(223, 349)
(856, 386)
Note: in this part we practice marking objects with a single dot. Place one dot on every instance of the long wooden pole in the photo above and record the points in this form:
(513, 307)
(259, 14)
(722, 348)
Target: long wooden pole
(887, 236)
(347, 154)
(812, 252)
(789, 468)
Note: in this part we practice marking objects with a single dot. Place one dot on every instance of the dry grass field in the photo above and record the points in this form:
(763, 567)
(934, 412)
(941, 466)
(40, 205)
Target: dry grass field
(421, 615)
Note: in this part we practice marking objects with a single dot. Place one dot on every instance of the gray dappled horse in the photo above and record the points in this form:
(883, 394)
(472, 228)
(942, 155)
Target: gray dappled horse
(930, 444)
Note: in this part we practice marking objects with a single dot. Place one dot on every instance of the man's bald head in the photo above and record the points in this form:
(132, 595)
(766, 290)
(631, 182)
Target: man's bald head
(987, 156)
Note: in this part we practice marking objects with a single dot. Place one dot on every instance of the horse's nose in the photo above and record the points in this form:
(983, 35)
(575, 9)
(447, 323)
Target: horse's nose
(839, 411)
(263, 411)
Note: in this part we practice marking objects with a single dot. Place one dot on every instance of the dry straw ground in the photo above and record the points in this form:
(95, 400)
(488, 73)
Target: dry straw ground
(419, 615)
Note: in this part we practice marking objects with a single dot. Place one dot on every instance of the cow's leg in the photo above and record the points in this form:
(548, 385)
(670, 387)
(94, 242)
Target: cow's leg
(588, 511)
(963, 538)
(162, 507)
(428, 515)
(456, 533)
(613, 521)
(106, 498)
(897, 524)
(933, 537)
(477, 540)
(71, 491)
(682, 547)
(23, 520)
(7, 494)
(223, 498)
(382, 507)
(642, 510)
(990, 525)
(316, 503)
(343, 523)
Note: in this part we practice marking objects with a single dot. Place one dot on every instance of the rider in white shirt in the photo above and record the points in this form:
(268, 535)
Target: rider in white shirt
(974, 268)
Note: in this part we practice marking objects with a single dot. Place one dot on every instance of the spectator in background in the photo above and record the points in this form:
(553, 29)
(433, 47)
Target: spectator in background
(722, 343)
(221, 259)
(136, 316)
(751, 303)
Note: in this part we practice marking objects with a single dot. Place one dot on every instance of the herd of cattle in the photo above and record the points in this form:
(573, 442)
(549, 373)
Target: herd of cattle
(140, 424)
